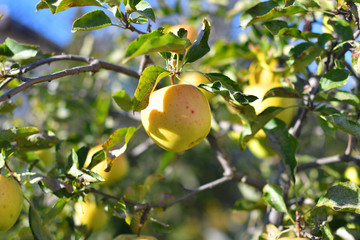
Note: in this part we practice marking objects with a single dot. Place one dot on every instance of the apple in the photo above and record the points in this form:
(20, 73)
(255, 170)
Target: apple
(11, 202)
(352, 174)
(177, 118)
(133, 237)
(257, 145)
(90, 214)
(47, 156)
(191, 33)
(119, 169)
(196, 79)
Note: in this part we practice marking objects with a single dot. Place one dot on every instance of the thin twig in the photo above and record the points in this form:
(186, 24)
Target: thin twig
(327, 160)
(94, 66)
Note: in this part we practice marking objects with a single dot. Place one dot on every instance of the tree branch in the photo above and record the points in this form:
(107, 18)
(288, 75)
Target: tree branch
(94, 66)
(328, 160)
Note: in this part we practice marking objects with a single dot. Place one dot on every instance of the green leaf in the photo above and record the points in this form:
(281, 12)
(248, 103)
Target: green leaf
(55, 210)
(14, 134)
(5, 52)
(7, 106)
(102, 105)
(274, 26)
(200, 47)
(65, 4)
(280, 140)
(273, 195)
(237, 99)
(144, 9)
(259, 9)
(147, 83)
(296, 33)
(51, 4)
(36, 225)
(326, 232)
(284, 92)
(73, 162)
(224, 80)
(123, 100)
(36, 141)
(121, 205)
(265, 11)
(327, 127)
(334, 78)
(156, 41)
(92, 20)
(342, 122)
(249, 205)
(21, 51)
(342, 28)
(117, 144)
(344, 97)
(343, 197)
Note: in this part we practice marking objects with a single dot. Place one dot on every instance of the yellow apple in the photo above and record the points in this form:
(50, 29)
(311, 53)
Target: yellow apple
(133, 237)
(47, 156)
(191, 33)
(11, 202)
(177, 118)
(90, 214)
(196, 79)
(119, 169)
(91, 153)
(352, 174)
(259, 91)
(257, 145)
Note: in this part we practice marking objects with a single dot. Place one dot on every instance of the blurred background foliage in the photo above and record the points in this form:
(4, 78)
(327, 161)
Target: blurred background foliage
(81, 112)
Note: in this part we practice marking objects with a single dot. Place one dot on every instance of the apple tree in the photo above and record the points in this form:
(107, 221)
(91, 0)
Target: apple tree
(272, 153)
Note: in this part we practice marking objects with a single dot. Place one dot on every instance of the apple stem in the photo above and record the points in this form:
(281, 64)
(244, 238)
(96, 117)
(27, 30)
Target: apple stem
(171, 79)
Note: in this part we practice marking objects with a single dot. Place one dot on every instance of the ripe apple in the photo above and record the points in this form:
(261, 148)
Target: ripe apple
(119, 169)
(90, 214)
(352, 174)
(177, 118)
(133, 237)
(191, 33)
(11, 202)
(257, 145)
(196, 79)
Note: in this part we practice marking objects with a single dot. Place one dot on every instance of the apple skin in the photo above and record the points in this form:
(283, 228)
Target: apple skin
(196, 79)
(47, 156)
(191, 33)
(352, 174)
(260, 90)
(11, 202)
(177, 118)
(257, 145)
(119, 169)
(90, 214)
(133, 237)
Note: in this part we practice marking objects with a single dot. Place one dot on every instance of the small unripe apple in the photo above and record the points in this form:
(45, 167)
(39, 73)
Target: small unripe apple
(191, 33)
(119, 169)
(177, 118)
(90, 214)
(11, 202)
(134, 237)
(352, 174)
(196, 79)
